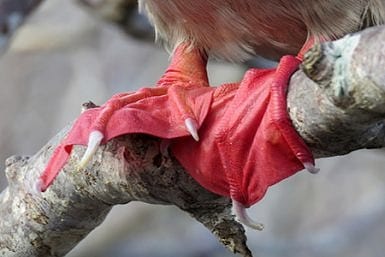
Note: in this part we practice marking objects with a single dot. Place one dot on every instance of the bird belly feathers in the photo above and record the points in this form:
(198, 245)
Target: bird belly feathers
(237, 29)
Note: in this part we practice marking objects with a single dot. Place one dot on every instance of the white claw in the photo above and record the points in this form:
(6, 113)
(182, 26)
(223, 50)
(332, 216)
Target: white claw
(94, 141)
(192, 128)
(311, 168)
(241, 214)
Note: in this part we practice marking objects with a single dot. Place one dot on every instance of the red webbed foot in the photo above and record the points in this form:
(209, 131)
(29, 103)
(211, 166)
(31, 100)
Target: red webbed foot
(248, 142)
(185, 78)
(176, 107)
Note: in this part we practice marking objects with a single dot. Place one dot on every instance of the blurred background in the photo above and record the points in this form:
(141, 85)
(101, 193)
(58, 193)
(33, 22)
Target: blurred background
(64, 56)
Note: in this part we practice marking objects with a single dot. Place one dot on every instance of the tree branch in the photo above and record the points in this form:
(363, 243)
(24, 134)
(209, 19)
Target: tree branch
(341, 108)
(130, 168)
(338, 110)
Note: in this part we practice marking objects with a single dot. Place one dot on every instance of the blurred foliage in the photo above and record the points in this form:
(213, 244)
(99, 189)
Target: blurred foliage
(123, 13)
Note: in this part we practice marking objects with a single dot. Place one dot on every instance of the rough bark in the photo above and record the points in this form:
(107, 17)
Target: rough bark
(130, 168)
(338, 110)
(341, 107)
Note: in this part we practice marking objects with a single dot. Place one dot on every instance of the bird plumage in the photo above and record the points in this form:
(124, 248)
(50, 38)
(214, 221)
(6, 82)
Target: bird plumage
(237, 29)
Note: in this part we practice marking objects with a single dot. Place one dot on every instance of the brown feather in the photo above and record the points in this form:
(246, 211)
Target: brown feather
(236, 29)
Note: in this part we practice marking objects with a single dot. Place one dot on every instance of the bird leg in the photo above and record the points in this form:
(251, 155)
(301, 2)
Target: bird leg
(187, 71)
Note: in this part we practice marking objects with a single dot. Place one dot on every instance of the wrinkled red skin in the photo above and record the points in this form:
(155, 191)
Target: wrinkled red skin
(247, 142)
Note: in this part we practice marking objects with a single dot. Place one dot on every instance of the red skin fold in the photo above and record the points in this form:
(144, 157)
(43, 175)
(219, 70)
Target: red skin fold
(247, 142)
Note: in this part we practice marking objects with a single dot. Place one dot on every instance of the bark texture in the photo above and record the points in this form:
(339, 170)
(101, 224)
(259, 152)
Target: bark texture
(130, 168)
(341, 107)
(336, 103)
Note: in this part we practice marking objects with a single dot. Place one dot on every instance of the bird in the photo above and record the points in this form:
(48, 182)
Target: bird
(237, 30)
(234, 30)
